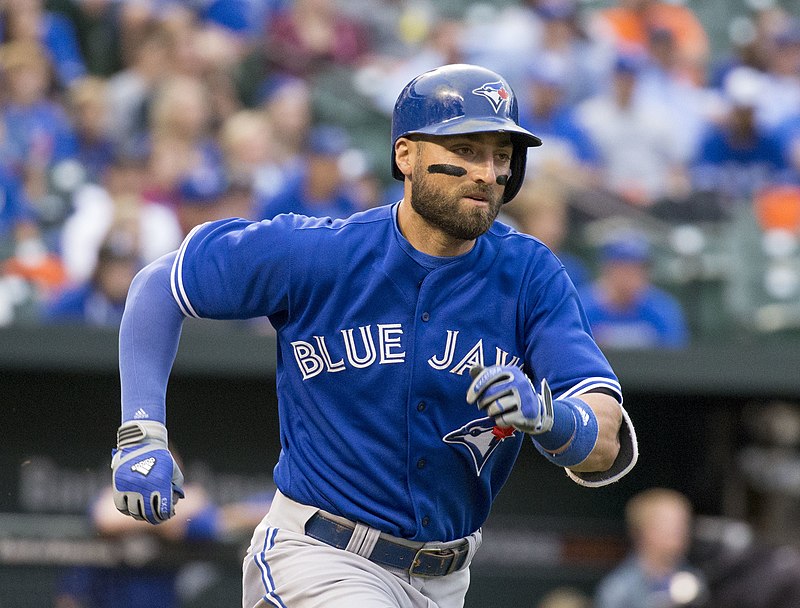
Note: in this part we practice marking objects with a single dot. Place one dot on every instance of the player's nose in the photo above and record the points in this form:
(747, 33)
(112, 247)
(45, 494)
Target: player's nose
(483, 171)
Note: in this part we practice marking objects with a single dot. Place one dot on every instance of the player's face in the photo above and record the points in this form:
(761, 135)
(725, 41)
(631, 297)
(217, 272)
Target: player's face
(455, 182)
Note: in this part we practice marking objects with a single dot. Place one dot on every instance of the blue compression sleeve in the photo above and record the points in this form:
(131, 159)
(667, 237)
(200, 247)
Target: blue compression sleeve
(148, 342)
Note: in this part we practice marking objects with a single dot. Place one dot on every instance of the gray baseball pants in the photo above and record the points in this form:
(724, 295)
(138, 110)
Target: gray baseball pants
(285, 568)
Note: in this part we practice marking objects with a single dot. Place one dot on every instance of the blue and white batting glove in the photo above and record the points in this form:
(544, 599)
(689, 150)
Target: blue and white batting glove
(506, 394)
(146, 479)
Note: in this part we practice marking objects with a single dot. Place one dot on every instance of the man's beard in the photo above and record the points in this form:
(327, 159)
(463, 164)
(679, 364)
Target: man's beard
(443, 210)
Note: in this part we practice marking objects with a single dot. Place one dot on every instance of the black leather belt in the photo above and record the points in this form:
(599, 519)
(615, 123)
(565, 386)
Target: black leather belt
(417, 561)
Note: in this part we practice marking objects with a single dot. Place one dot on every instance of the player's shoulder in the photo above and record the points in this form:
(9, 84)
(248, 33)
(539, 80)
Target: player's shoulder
(287, 223)
(367, 217)
(360, 231)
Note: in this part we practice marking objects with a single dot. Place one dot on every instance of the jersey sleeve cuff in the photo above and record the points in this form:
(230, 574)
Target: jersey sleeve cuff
(176, 278)
(592, 384)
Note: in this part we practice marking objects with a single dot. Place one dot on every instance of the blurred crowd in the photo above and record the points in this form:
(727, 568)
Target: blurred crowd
(125, 124)
(677, 559)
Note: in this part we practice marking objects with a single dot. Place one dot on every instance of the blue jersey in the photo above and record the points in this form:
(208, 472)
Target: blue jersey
(375, 341)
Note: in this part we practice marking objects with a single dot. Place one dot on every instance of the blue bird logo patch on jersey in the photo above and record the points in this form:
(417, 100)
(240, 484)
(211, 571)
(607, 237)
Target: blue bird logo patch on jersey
(495, 92)
(481, 437)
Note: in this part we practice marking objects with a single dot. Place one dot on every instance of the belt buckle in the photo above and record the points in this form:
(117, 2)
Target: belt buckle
(438, 553)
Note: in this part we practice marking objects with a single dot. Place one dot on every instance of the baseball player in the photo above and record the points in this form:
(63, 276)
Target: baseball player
(410, 340)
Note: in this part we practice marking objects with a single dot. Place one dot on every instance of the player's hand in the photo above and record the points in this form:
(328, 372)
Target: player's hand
(147, 481)
(506, 394)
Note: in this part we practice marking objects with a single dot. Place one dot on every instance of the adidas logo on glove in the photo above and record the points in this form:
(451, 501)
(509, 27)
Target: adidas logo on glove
(144, 466)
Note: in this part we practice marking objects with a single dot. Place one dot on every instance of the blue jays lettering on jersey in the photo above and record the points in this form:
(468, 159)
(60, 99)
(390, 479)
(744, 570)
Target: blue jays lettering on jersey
(375, 341)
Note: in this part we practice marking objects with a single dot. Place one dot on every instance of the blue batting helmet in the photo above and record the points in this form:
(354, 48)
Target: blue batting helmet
(461, 98)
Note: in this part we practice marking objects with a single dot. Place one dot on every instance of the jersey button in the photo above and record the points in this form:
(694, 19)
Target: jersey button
(421, 406)
(425, 316)
(421, 463)
(426, 521)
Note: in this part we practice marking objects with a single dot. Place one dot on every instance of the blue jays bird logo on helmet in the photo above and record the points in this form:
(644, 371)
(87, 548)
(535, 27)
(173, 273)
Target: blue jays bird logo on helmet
(451, 100)
(481, 437)
(495, 92)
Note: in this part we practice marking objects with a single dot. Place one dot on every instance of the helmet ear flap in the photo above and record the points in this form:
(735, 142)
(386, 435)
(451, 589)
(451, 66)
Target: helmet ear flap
(519, 160)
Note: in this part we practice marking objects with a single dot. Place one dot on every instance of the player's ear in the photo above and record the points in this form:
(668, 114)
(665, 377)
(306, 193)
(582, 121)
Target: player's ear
(405, 152)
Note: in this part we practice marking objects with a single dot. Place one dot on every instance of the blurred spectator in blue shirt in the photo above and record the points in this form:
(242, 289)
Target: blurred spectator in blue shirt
(318, 188)
(625, 310)
(657, 572)
(99, 301)
(211, 195)
(29, 21)
(788, 133)
(38, 131)
(98, 32)
(15, 213)
(87, 102)
(544, 110)
(28, 271)
(563, 36)
(491, 35)
(738, 156)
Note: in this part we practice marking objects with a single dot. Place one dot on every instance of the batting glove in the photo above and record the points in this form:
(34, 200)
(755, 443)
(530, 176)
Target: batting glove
(506, 394)
(146, 479)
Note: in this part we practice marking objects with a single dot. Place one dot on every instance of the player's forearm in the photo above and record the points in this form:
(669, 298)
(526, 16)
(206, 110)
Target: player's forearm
(148, 342)
(606, 448)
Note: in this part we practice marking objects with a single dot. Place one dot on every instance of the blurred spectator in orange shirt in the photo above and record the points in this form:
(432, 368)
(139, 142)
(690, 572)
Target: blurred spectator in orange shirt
(629, 23)
(99, 301)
